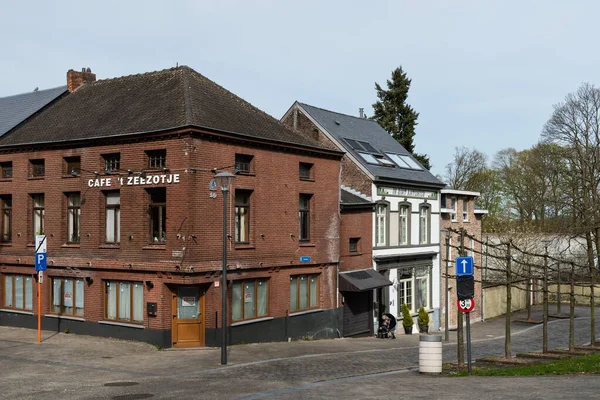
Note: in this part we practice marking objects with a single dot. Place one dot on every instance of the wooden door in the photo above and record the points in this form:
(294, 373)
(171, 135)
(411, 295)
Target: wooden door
(188, 316)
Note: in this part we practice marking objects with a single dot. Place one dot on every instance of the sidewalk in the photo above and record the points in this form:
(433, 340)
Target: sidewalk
(105, 353)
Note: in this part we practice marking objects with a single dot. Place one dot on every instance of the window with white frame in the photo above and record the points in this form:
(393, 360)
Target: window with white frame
(404, 224)
(67, 296)
(424, 218)
(124, 301)
(405, 292)
(242, 216)
(414, 288)
(250, 299)
(381, 224)
(465, 214)
(470, 249)
(18, 292)
(453, 207)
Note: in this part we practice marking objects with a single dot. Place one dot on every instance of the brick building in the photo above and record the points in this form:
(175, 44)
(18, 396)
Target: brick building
(405, 224)
(459, 212)
(118, 174)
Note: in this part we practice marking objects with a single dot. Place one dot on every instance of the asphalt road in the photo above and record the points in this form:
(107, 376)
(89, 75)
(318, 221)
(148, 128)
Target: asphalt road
(82, 367)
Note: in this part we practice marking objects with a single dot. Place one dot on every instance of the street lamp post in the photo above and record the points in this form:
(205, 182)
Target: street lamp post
(224, 180)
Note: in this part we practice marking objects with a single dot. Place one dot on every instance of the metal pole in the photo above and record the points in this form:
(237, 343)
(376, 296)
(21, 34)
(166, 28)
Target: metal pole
(224, 285)
(39, 306)
(468, 316)
(545, 318)
(447, 316)
(558, 297)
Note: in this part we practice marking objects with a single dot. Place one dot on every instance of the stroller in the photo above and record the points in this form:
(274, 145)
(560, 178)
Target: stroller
(387, 327)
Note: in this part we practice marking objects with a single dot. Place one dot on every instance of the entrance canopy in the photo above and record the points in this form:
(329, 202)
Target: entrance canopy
(360, 281)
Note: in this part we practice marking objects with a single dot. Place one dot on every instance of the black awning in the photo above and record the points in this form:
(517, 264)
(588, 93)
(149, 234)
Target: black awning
(360, 281)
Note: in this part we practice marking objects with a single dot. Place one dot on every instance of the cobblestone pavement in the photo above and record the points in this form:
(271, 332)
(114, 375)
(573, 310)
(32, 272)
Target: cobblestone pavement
(72, 366)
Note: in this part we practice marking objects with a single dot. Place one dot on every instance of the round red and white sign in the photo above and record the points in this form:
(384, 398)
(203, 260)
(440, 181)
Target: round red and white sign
(466, 305)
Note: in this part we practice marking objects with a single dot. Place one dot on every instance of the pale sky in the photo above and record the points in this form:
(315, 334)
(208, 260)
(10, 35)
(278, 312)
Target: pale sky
(485, 74)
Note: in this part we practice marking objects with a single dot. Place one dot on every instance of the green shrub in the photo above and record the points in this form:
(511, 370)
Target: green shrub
(423, 317)
(406, 317)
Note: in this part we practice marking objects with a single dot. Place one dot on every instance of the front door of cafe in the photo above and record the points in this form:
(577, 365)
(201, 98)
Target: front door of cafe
(188, 316)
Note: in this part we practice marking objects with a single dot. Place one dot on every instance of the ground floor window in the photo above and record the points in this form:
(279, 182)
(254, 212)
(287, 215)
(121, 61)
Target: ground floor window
(250, 299)
(304, 292)
(18, 292)
(124, 301)
(414, 288)
(67, 296)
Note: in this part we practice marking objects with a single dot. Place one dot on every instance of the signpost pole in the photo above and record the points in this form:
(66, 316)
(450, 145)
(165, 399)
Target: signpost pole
(39, 306)
(468, 316)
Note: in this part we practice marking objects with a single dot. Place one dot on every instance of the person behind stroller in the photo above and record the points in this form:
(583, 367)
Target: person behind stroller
(387, 326)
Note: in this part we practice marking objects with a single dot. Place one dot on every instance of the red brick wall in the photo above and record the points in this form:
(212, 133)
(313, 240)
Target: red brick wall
(352, 175)
(473, 228)
(192, 253)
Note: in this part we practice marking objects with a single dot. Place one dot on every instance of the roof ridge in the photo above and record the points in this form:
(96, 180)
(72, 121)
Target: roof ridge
(338, 113)
(187, 96)
(106, 80)
(33, 91)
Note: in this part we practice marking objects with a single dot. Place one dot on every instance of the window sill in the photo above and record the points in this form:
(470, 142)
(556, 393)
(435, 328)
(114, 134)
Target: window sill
(307, 179)
(354, 254)
(69, 176)
(109, 246)
(307, 245)
(5, 179)
(125, 324)
(155, 247)
(7, 244)
(33, 178)
(251, 321)
(297, 313)
(71, 246)
(245, 173)
(244, 247)
(8, 310)
(65, 317)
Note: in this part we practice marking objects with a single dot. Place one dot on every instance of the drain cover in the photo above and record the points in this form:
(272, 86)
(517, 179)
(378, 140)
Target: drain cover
(121, 384)
(136, 396)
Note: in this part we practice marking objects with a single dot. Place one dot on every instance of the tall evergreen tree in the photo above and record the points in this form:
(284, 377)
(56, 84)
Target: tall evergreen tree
(396, 116)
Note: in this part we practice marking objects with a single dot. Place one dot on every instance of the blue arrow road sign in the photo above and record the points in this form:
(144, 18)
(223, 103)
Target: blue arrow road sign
(464, 266)
(40, 262)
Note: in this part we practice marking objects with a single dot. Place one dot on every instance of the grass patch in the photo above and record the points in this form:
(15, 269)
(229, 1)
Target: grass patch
(589, 364)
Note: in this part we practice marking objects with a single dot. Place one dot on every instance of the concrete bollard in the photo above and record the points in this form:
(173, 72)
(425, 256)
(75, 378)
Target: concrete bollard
(430, 354)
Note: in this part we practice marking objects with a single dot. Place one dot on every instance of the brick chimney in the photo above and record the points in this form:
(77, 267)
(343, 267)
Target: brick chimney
(76, 79)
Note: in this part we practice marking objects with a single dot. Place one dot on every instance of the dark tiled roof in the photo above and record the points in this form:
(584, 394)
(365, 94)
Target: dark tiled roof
(342, 126)
(149, 102)
(16, 109)
(350, 198)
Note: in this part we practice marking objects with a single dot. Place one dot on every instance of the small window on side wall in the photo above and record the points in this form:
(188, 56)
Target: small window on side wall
(157, 159)
(37, 168)
(244, 164)
(6, 170)
(72, 166)
(354, 245)
(306, 171)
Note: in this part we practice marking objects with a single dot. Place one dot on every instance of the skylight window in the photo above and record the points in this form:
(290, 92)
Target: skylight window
(404, 161)
(354, 144)
(384, 161)
(367, 146)
(411, 163)
(369, 158)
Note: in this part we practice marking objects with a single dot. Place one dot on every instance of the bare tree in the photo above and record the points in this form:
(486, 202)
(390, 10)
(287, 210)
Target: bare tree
(467, 164)
(575, 126)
